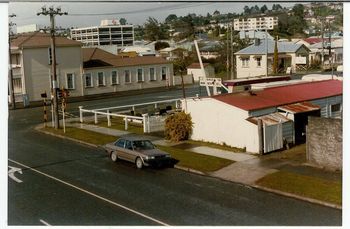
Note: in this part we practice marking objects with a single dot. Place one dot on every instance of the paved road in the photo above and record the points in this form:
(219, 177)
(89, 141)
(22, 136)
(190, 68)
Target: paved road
(65, 183)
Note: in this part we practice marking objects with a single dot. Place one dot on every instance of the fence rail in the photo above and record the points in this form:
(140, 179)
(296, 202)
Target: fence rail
(149, 124)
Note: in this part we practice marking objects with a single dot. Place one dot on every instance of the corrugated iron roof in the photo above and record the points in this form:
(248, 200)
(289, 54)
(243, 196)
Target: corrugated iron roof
(283, 95)
(39, 39)
(117, 61)
(270, 119)
(299, 107)
(283, 47)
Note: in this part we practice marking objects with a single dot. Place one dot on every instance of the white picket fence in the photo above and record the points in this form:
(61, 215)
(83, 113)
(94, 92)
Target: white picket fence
(150, 123)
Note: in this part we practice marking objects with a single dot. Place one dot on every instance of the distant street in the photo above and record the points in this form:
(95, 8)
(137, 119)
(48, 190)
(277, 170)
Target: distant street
(60, 182)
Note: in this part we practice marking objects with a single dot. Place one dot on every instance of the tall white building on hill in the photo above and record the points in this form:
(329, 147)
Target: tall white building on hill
(110, 32)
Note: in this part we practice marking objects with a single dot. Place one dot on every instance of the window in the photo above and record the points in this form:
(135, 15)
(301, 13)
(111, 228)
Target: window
(128, 145)
(245, 62)
(17, 86)
(152, 75)
(163, 73)
(70, 81)
(115, 78)
(335, 107)
(127, 76)
(140, 75)
(258, 61)
(101, 79)
(120, 143)
(88, 80)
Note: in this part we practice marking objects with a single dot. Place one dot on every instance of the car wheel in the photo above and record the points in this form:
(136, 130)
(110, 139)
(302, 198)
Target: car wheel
(139, 163)
(114, 156)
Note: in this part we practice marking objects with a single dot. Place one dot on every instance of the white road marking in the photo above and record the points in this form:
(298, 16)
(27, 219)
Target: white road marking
(12, 171)
(93, 194)
(43, 222)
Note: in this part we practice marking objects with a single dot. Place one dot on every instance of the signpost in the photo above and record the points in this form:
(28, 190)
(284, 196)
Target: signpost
(44, 96)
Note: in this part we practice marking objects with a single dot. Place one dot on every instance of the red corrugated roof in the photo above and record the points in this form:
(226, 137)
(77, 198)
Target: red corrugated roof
(299, 107)
(278, 96)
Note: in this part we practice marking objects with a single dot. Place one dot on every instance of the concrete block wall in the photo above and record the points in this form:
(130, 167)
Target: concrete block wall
(324, 141)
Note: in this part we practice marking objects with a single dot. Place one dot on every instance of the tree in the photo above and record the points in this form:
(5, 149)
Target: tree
(246, 10)
(178, 126)
(153, 30)
(298, 11)
(161, 45)
(263, 9)
(171, 18)
(122, 21)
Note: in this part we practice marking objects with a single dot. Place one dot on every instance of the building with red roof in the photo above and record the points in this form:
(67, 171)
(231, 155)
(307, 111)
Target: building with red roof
(264, 120)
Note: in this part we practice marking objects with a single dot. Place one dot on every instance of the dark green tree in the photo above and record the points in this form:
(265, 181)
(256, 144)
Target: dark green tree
(122, 21)
(154, 30)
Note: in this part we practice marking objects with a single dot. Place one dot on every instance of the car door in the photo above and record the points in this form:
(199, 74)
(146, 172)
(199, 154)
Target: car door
(120, 149)
(129, 151)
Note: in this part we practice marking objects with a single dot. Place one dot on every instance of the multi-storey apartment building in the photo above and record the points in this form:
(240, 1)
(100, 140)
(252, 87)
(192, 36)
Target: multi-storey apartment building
(260, 23)
(110, 32)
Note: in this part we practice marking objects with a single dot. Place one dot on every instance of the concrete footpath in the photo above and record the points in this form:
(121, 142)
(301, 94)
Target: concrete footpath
(247, 169)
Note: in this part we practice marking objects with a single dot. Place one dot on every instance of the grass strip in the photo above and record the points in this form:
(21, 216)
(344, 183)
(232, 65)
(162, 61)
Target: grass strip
(311, 187)
(200, 162)
(83, 135)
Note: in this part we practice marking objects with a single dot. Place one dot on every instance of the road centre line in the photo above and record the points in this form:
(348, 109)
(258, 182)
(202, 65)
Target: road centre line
(92, 194)
(44, 222)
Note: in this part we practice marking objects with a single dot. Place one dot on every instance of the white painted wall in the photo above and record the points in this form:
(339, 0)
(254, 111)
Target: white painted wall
(36, 70)
(253, 69)
(134, 84)
(197, 72)
(220, 123)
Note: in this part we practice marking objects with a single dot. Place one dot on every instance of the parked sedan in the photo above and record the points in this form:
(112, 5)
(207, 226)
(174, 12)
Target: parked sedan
(140, 151)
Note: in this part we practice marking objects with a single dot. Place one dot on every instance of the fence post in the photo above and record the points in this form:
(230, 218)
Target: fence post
(81, 114)
(155, 106)
(108, 119)
(145, 123)
(96, 121)
(176, 105)
(126, 123)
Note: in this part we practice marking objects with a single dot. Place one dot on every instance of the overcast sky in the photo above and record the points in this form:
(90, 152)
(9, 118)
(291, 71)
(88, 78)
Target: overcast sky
(135, 13)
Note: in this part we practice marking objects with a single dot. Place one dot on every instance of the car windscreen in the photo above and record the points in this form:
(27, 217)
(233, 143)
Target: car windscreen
(143, 145)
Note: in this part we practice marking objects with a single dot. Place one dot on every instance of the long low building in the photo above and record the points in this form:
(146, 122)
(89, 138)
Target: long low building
(263, 121)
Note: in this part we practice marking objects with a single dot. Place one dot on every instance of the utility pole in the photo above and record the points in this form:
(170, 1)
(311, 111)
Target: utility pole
(322, 36)
(227, 53)
(54, 85)
(11, 90)
(267, 53)
(231, 50)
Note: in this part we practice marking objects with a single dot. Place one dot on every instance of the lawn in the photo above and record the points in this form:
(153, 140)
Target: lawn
(83, 135)
(186, 159)
(311, 187)
(203, 163)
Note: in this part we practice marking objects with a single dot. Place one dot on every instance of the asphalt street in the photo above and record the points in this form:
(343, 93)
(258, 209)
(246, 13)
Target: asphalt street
(66, 183)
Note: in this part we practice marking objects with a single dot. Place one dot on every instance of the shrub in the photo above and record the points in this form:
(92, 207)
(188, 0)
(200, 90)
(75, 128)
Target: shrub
(178, 126)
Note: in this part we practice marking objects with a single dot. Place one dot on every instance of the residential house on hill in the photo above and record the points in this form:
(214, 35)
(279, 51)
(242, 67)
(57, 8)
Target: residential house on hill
(251, 61)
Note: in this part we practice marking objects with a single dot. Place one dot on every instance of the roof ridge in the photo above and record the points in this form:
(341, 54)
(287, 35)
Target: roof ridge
(28, 38)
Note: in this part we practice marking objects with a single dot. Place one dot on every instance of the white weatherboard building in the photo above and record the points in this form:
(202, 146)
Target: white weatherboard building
(110, 32)
(263, 121)
(260, 23)
(251, 61)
